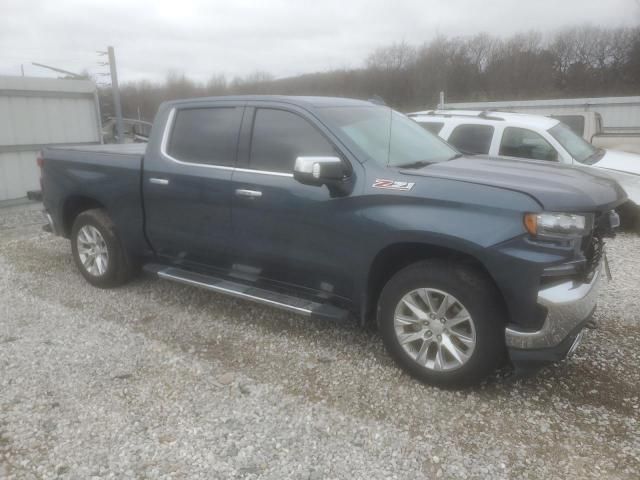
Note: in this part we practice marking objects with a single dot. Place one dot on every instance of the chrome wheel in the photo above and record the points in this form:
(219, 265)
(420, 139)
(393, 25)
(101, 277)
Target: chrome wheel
(435, 329)
(92, 250)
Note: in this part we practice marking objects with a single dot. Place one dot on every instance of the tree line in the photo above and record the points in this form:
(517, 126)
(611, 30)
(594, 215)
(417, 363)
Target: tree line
(574, 62)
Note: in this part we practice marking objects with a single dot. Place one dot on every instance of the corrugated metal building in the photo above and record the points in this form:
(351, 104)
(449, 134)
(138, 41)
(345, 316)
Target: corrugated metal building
(35, 112)
(619, 114)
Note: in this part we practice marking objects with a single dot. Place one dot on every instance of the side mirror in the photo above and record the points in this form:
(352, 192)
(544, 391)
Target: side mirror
(318, 170)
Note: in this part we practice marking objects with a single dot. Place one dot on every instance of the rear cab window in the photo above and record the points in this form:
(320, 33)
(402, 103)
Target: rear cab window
(574, 122)
(474, 139)
(207, 136)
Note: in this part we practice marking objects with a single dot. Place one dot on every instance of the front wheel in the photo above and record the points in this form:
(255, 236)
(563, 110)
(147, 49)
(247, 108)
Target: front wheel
(97, 250)
(443, 323)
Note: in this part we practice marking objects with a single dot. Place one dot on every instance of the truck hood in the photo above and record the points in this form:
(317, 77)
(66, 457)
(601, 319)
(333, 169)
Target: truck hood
(625, 169)
(555, 187)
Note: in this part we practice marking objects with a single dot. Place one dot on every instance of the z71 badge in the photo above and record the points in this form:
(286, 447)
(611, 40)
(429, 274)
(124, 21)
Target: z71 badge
(392, 184)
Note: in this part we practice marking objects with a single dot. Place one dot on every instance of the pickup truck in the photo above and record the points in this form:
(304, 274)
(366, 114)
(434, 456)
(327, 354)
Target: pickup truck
(336, 208)
(589, 126)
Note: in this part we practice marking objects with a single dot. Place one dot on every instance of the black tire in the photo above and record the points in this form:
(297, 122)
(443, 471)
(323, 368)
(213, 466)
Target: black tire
(119, 267)
(629, 217)
(479, 297)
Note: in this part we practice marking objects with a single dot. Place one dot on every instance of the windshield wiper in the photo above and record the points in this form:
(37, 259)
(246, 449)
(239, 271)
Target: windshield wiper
(457, 155)
(418, 164)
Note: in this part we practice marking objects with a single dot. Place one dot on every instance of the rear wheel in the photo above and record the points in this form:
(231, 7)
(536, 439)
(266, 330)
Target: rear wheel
(443, 323)
(97, 250)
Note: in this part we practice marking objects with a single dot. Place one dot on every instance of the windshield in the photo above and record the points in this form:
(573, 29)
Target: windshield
(388, 137)
(577, 147)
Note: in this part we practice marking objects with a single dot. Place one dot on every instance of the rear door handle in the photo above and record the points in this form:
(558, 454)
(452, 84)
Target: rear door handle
(248, 193)
(159, 181)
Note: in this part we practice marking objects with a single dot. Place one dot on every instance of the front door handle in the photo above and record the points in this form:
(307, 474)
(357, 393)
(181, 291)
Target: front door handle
(159, 181)
(248, 193)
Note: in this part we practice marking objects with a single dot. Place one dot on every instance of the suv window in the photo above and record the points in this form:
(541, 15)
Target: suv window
(574, 122)
(205, 135)
(280, 137)
(433, 127)
(472, 139)
(523, 143)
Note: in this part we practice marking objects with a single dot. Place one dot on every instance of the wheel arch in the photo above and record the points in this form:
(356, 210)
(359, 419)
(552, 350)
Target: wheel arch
(394, 257)
(73, 206)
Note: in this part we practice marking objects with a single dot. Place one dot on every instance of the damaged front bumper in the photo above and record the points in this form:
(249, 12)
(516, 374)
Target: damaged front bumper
(569, 306)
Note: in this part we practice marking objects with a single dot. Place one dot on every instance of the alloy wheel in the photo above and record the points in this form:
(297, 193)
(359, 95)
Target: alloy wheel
(435, 329)
(92, 250)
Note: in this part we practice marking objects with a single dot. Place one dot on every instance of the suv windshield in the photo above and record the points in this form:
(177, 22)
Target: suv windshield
(388, 137)
(577, 147)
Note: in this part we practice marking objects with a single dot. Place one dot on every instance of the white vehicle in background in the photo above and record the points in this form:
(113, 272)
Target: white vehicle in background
(533, 137)
(606, 122)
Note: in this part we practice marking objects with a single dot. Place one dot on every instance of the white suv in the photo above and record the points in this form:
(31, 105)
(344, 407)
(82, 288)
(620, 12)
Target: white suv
(532, 137)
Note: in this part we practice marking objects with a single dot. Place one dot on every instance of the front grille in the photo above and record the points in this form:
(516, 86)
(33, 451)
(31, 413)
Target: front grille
(592, 249)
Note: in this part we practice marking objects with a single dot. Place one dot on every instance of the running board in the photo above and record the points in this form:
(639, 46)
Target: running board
(289, 303)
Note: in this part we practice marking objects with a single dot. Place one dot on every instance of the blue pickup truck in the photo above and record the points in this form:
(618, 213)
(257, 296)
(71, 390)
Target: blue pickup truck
(339, 208)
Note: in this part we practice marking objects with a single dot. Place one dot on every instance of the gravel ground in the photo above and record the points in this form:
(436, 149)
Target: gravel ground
(159, 380)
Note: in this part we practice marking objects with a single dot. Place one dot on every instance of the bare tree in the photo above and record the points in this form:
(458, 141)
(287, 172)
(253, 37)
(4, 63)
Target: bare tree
(575, 61)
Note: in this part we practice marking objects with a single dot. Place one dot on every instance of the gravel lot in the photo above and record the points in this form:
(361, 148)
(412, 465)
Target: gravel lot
(158, 380)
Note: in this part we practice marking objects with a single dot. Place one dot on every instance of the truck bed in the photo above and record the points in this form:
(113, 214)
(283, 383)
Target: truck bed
(132, 150)
(107, 175)
(624, 141)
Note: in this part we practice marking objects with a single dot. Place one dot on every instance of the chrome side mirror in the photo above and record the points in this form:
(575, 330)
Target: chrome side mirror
(318, 170)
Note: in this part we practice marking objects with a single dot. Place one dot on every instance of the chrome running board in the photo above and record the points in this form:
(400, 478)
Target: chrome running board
(282, 301)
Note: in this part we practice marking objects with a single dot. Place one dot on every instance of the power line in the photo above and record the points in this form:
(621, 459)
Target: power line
(55, 69)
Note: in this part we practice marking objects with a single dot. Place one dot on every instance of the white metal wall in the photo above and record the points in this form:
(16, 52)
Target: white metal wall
(618, 113)
(18, 174)
(35, 112)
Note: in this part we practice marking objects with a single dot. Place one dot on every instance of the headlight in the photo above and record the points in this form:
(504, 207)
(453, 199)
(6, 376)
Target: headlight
(558, 225)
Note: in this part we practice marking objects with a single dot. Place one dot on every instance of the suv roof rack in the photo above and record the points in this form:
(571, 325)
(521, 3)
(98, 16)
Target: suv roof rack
(485, 114)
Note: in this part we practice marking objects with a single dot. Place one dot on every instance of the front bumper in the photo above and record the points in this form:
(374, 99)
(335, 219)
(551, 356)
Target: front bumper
(569, 305)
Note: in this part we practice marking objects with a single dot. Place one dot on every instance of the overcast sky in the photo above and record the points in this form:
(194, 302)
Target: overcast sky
(283, 37)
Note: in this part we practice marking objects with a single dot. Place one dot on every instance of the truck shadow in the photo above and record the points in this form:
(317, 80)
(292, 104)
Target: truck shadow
(310, 357)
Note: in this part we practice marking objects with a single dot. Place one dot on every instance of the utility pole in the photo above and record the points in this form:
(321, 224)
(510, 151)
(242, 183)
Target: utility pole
(116, 94)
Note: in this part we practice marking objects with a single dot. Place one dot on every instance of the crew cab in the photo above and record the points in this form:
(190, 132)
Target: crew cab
(535, 137)
(336, 208)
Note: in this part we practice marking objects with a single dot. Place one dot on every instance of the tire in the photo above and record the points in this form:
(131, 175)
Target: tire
(629, 217)
(115, 267)
(458, 352)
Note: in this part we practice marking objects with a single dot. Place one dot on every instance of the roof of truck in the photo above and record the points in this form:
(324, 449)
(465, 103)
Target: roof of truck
(486, 116)
(303, 101)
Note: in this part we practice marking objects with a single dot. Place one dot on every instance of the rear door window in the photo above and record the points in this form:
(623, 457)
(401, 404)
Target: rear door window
(205, 135)
(474, 139)
(523, 143)
(279, 137)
